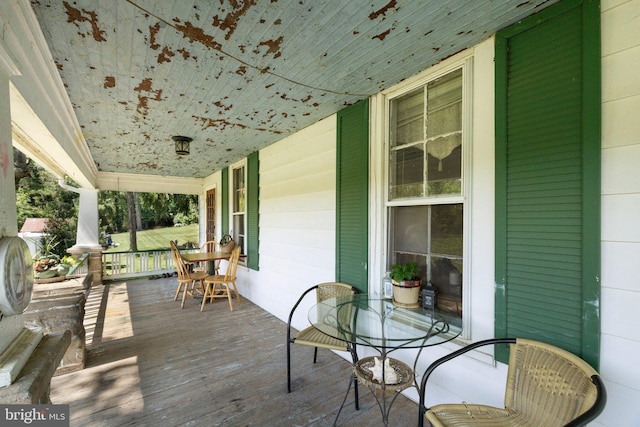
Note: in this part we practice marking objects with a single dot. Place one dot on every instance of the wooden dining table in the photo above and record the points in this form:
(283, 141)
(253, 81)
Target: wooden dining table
(205, 256)
(197, 257)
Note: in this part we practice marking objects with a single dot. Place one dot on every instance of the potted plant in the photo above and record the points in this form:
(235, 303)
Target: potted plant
(49, 267)
(406, 284)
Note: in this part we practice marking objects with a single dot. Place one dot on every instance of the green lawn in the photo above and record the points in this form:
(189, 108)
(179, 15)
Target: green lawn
(157, 238)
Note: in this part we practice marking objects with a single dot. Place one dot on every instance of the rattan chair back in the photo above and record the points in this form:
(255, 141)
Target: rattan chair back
(548, 384)
(343, 313)
(328, 290)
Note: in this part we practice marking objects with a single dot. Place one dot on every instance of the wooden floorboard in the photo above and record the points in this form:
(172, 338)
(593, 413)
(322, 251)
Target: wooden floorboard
(151, 363)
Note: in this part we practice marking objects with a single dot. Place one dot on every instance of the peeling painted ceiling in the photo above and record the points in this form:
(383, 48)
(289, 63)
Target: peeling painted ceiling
(238, 75)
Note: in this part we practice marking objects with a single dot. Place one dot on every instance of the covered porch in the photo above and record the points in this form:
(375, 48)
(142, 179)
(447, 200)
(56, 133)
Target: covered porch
(151, 363)
(282, 145)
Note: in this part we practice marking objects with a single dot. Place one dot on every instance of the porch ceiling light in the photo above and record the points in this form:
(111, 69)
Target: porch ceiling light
(182, 144)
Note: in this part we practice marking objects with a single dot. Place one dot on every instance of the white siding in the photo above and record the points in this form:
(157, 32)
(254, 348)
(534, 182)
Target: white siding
(297, 220)
(620, 343)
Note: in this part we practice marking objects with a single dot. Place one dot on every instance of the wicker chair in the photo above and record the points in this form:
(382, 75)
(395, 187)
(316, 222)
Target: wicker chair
(186, 279)
(313, 337)
(223, 285)
(546, 386)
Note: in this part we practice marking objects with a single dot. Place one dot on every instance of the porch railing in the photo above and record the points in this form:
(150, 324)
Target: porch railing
(118, 265)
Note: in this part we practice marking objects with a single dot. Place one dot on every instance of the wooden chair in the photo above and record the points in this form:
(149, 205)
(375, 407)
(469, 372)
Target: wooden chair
(221, 286)
(546, 386)
(208, 246)
(313, 337)
(186, 279)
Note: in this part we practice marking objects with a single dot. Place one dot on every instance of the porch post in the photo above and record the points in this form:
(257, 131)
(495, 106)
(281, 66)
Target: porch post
(10, 326)
(87, 239)
(16, 341)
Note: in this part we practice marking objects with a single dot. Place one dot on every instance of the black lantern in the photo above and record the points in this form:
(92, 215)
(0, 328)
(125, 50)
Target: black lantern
(429, 297)
(182, 144)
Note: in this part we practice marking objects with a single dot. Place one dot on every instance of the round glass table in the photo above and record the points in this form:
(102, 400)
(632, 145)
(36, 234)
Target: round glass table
(380, 324)
(385, 327)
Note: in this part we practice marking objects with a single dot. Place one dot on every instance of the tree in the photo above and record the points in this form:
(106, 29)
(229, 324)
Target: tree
(138, 217)
(20, 167)
(38, 195)
(112, 211)
(131, 205)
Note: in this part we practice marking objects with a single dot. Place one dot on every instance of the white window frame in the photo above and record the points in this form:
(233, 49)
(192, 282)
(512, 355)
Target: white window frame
(232, 213)
(379, 158)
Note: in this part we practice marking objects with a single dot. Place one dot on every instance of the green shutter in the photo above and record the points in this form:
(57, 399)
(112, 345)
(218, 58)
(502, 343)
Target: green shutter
(225, 200)
(547, 179)
(352, 184)
(253, 201)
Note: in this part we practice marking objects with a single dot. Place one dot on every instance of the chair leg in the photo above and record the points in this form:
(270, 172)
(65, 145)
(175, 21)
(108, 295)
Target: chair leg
(235, 289)
(184, 294)
(204, 296)
(175, 298)
(288, 365)
(226, 285)
(354, 357)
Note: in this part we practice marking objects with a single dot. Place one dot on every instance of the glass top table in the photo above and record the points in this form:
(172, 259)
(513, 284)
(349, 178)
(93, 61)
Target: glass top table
(380, 324)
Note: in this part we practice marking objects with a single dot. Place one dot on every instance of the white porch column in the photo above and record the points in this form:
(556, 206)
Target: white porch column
(10, 326)
(16, 342)
(87, 233)
(87, 237)
(8, 217)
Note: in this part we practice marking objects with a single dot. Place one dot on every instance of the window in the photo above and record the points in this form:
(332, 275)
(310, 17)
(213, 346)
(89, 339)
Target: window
(425, 185)
(238, 205)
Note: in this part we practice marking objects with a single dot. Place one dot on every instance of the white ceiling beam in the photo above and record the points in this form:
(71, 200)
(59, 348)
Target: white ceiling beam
(44, 125)
(148, 183)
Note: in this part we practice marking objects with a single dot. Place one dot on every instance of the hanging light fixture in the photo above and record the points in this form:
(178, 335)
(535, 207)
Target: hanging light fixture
(182, 144)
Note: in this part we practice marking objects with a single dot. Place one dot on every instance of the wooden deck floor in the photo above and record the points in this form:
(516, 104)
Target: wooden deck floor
(152, 364)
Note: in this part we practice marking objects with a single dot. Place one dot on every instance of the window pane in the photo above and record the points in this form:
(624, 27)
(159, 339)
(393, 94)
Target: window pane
(407, 118)
(238, 230)
(238, 223)
(446, 230)
(425, 140)
(446, 278)
(444, 134)
(238, 190)
(446, 256)
(239, 200)
(407, 173)
(431, 235)
(444, 104)
(410, 226)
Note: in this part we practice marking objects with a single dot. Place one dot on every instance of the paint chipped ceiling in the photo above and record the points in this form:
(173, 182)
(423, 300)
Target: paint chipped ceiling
(237, 76)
